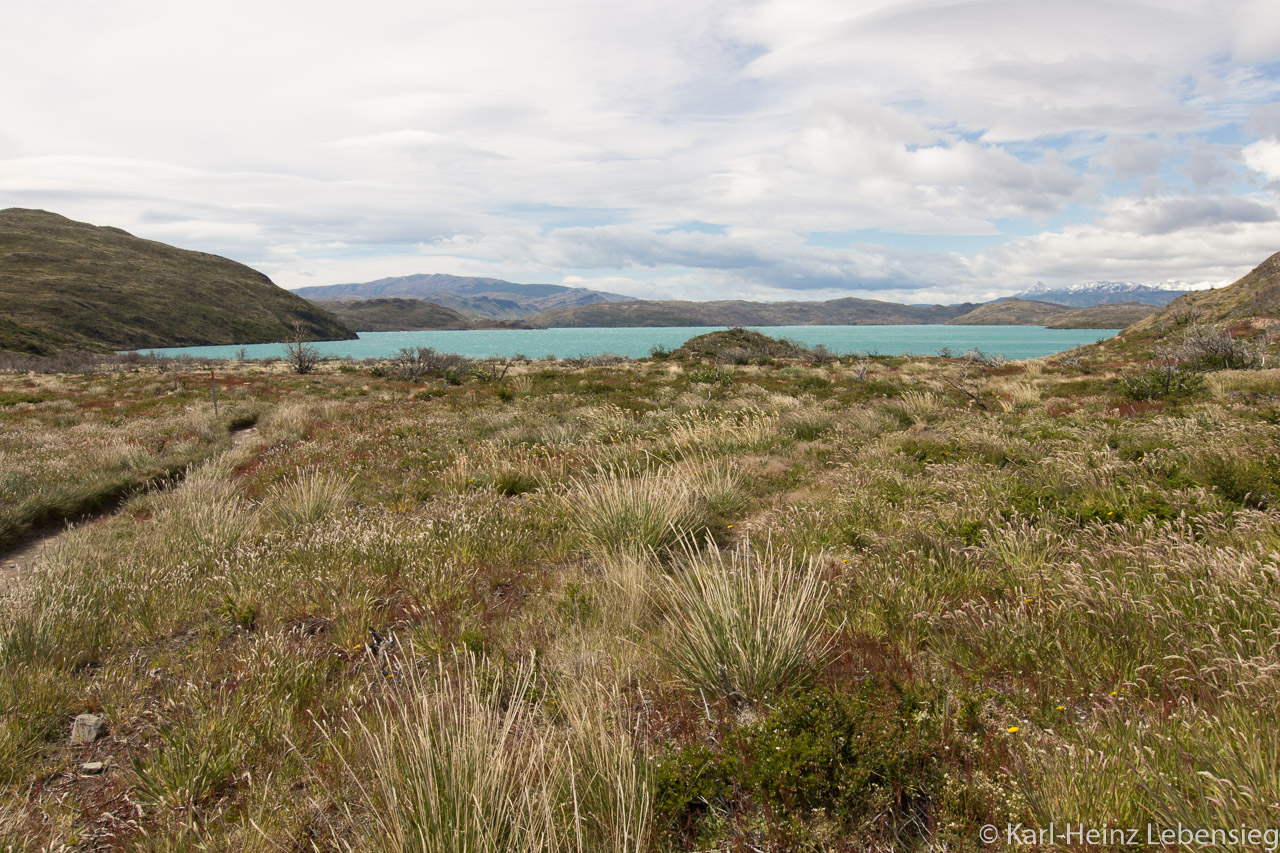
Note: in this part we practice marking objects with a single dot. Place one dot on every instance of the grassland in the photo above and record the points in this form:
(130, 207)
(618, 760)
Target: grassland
(863, 604)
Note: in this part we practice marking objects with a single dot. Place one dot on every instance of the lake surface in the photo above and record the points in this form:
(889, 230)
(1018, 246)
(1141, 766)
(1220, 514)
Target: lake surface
(1015, 342)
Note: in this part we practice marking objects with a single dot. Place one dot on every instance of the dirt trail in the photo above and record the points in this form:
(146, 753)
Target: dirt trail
(29, 552)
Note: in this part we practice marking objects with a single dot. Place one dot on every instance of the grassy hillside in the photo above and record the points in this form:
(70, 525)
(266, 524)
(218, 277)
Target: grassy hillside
(737, 346)
(1030, 312)
(478, 297)
(1256, 295)
(1111, 315)
(640, 607)
(406, 315)
(836, 312)
(66, 283)
(1010, 312)
(1230, 325)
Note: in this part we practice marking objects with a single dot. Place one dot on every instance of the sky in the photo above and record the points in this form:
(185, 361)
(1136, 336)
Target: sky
(930, 151)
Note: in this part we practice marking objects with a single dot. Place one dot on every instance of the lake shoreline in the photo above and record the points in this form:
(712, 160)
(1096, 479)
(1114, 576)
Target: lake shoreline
(1012, 342)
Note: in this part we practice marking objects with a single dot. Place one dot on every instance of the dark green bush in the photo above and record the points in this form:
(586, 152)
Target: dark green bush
(710, 376)
(1243, 481)
(1044, 502)
(813, 383)
(1161, 383)
(869, 762)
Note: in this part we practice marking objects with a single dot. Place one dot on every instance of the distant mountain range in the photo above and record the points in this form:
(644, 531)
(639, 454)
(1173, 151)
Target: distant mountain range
(397, 314)
(67, 284)
(1098, 292)
(478, 300)
(483, 297)
(673, 312)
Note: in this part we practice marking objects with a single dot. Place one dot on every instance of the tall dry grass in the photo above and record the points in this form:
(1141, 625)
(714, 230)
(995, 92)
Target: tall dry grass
(618, 511)
(745, 625)
(462, 760)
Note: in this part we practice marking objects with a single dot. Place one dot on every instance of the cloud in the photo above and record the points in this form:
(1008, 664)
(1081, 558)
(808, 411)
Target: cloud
(1085, 252)
(1155, 216)
(322, 142)
(1128, 156)
(1264, 156)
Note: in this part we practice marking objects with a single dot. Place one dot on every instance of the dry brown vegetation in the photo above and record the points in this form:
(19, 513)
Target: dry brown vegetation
(654, 605)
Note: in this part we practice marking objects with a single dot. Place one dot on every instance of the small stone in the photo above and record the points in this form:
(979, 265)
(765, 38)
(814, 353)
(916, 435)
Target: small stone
(93, 768)
(87, 728)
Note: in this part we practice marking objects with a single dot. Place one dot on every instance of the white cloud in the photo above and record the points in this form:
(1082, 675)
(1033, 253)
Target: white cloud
(326, 142)
(1264, 156)
(1167, 215)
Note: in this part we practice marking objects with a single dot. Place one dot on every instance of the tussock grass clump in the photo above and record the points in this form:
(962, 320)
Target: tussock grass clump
(917, 407)
(33, 701)
(618, 512)
(808, 424)
(746, 429)
(206, 513)
(718, 485)
(311, 496)
(467, 761)
(743, 624)
(194, 760)
(292, 421)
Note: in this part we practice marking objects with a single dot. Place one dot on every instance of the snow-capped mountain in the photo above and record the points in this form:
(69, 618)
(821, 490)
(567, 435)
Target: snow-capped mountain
(1097, 292)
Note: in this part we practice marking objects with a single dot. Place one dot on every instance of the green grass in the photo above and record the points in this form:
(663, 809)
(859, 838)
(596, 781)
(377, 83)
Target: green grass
(904, 616)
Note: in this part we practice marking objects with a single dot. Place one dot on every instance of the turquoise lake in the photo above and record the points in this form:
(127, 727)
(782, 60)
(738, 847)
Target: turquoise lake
(1014, 342)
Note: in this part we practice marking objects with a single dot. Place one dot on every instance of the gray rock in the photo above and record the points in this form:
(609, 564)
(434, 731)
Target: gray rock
(87, 728)
(93, 768)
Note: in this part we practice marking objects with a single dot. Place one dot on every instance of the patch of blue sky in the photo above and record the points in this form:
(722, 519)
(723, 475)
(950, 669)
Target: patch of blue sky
(554, 216)
(635, 274)
(1231, 133)
(962, 243)
(1269, 74)
(695, 225)
(1070, 144)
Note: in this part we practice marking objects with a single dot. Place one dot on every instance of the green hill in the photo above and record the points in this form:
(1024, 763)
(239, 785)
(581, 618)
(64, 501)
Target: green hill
(1030, 312)
(476, 297)
(1010, 312)
(407, 315)
(836, 312)
(1108, 315)
(70, 284)
(737, 345)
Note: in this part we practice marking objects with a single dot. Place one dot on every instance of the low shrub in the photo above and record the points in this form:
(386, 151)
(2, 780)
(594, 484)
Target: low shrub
(849, 768)
(1162, 382)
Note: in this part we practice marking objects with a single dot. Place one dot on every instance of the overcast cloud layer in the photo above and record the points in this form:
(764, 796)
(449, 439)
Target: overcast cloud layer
(937, 150)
